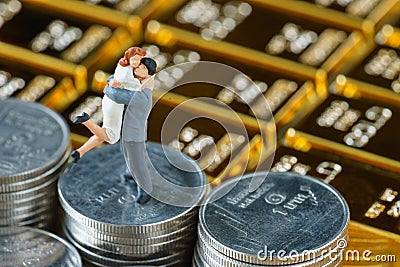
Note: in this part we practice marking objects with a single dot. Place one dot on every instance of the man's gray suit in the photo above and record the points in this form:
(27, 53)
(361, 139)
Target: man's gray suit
(134, 130)
(136, 115)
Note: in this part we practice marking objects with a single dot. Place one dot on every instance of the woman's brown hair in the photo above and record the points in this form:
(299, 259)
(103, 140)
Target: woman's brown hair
(130, 52)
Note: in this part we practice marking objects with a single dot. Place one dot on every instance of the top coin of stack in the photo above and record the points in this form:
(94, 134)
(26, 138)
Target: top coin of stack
(290, 220)
(25, 246)
(103, 220)
(34, 148)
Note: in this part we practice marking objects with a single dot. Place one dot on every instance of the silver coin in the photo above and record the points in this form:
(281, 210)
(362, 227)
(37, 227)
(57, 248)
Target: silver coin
(93, 194)
(50, 194)
(25, 220)
(288, 212)
(133, 240)
(177, 263)
(45, 223)
(17, 220)
(25, 215)
(10, 217)
(100, 259)
(133, 250)
(173, 226)
(157, 234)
(140, 232)
(48, 187)
(319, 258)
(36, 180)
(24, 246)
(215, 258)
(33, 222)
(206, 260)
(9, 212)
(33, 138)
(45, 190)
(198, 261)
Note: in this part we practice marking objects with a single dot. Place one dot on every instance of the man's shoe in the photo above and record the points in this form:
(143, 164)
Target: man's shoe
(142, 197)
(81, 118)
(75, 156)
(126, 176)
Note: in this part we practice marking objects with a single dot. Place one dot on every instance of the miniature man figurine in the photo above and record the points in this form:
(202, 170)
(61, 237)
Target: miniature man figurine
(110, 132)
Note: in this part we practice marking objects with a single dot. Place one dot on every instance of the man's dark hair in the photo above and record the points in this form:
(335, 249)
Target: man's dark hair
(150, 64)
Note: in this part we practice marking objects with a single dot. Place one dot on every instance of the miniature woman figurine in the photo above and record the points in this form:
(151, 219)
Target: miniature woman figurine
(134, 132)
(124, 77)
(135, 127)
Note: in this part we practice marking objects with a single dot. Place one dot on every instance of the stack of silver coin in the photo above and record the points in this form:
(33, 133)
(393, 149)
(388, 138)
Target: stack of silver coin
(34, 149)
(109, 228)
(25, 246)
(290, 220)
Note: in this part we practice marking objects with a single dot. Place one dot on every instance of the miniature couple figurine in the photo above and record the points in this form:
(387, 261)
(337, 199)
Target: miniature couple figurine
(131, 85)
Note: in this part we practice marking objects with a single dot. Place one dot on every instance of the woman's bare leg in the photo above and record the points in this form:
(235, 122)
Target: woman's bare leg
(93, 142)
(96, 130)
(100, 136)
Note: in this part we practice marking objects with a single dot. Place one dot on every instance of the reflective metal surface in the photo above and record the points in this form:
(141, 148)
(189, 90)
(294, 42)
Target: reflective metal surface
(34, 151)
(303, 219)
(106, 224)
(24, 246)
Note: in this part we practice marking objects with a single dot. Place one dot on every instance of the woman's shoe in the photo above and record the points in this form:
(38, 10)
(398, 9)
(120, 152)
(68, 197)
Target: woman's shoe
(81, 118)
(75, 156)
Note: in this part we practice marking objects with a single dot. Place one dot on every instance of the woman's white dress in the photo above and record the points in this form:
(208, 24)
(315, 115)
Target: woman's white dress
(112, 111)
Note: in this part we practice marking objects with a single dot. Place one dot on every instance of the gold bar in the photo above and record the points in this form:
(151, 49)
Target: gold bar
(347, 49)
(383, 12)
(82, 10)
(113, 48)
(364, 238)
(360, 227)
(158, 8)
(389, 36)
(305, 97)
(351, 88)
(194, 106)
(77, 140)
(166, 35)
(311, 11)
(259, 153)
(62, 96)
(239, 164)
(206, 109)
(303, 141)
(99, 81)
(18, 55)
